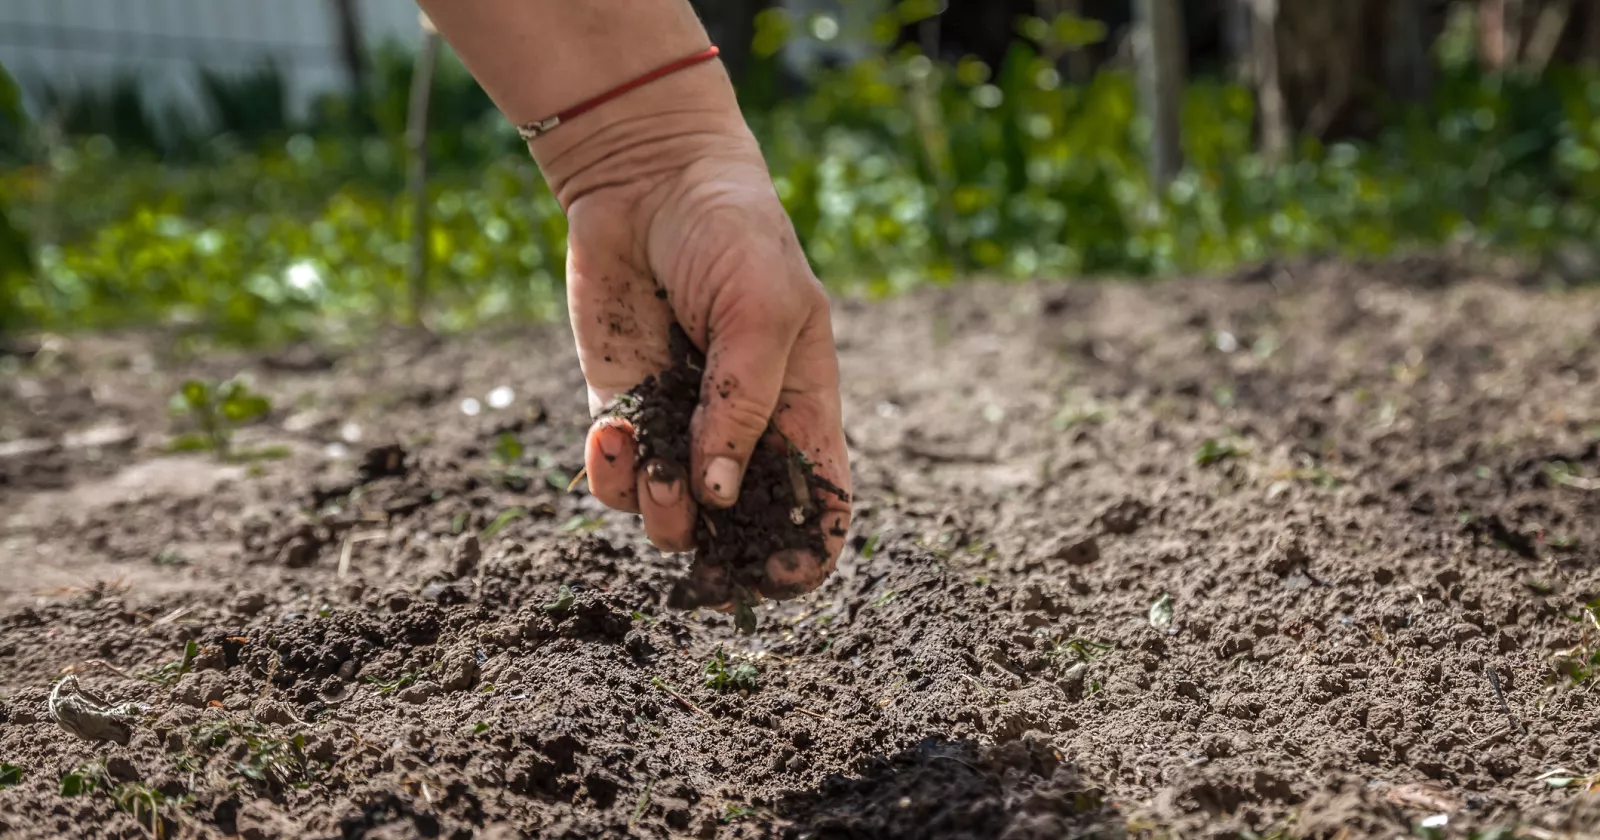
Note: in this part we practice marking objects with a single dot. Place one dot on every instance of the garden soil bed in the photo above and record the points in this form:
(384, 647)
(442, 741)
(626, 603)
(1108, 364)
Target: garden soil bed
(1366, 494)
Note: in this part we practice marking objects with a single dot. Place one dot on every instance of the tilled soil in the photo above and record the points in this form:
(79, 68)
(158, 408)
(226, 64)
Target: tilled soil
(1294, 551)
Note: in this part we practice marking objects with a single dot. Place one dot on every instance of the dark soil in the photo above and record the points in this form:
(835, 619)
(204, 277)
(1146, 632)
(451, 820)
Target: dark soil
(1368, 494)
(776, 509)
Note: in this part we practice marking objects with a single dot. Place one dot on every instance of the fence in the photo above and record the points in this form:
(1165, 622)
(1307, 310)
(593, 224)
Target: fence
(71, 44)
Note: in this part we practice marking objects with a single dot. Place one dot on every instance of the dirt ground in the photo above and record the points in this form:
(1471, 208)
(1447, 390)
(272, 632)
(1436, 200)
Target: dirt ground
(1289, 553)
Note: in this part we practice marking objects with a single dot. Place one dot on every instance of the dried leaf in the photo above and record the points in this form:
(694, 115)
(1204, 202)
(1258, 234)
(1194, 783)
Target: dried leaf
(90, 717)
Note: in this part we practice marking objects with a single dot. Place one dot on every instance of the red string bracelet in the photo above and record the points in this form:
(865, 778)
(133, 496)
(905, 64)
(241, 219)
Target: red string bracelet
(539, 128)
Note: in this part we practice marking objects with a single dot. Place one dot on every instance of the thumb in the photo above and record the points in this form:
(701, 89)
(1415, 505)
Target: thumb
(747, 356)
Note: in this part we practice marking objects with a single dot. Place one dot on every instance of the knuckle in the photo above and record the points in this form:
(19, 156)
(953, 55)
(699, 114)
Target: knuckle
(737, 417)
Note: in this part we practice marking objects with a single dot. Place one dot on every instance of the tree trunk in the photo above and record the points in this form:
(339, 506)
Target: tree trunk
(1492, 34)
(417, 142)
(347, 20)
(1269, 81)
(1408, 66)
(1545, 38)
(1591, 36)
(1159, 53)
(1237, 40)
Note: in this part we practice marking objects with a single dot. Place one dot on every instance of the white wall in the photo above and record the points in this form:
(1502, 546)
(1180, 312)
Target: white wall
(76, 42)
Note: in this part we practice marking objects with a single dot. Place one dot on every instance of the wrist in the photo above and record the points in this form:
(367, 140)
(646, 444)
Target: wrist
(645, 135)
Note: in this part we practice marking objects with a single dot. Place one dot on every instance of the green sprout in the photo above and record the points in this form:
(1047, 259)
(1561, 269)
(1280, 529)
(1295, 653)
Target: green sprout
(721, 678)
(217, 411)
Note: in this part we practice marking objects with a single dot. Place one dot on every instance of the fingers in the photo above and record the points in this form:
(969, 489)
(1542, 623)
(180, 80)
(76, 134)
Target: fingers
(746, 363)
(810, 416)
(609, 461)
(668, 510)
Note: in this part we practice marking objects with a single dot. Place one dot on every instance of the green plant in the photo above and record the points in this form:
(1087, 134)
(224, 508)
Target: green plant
(1079, 649)
(563, 601)
(217, 410)
(390, 686)
(269, 757)
(721, 678)
(10, 774)
(148, 806)
(85, 778)
(1212, 451)
(168, 673)
(1581, 662)
(507, 449)
(506, 517)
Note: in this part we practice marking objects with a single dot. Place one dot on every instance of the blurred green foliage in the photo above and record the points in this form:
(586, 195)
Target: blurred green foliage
(897, 170)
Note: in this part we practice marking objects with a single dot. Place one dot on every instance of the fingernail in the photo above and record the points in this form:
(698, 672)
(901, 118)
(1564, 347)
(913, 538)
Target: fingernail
(663, 490)
(611, 443)
(722, 480)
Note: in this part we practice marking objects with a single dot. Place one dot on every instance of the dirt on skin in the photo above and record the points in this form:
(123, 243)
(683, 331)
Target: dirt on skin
(1363, 497)
(777, 509)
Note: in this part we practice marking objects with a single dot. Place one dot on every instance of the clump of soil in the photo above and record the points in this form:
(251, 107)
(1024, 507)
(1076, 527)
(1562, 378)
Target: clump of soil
(776, 510)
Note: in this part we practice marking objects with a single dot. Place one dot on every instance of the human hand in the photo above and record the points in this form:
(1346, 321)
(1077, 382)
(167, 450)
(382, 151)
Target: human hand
(675, 219)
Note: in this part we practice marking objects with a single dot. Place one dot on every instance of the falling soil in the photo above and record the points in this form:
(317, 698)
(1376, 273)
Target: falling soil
(1303, 551)
(776, 510)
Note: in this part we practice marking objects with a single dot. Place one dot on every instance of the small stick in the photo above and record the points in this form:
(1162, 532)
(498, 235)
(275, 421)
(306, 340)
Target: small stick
(101, 663)
(805, 711)
(658, 683)
(348, 550)
(1494, 680)
(577, 478)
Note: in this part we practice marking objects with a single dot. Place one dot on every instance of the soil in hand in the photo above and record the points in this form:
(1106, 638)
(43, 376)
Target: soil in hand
(776, 510)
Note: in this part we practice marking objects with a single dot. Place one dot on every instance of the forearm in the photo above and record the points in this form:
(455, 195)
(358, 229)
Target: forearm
(537, 57)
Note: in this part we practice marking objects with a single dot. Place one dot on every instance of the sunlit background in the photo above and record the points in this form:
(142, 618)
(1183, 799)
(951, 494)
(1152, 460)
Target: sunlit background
(239, 170)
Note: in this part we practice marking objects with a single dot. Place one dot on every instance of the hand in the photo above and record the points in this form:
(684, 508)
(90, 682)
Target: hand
(688, 228)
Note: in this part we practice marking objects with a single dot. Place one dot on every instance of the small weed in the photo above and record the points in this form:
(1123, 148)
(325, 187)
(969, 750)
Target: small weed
(869, 547)
(1565, 475)
(170, 558)
(721, 678)
(1564, 542)
(480, 727)
(1560, 778)
(1079, 649)
(582, 522)
(563, 601)
(10, 774)
(1213, 451)
(458, 523)
(168, 673)
(85, 778)
(980, 580)
(1072, 416)
(507, 449)
(644, 802)
(885, 599)
(145, 803)
(559, 481)
(272, 759)
(648, 619)
(506, 517)
(216, 411)
(1581, 662)
(391, 686)
(736, 813)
